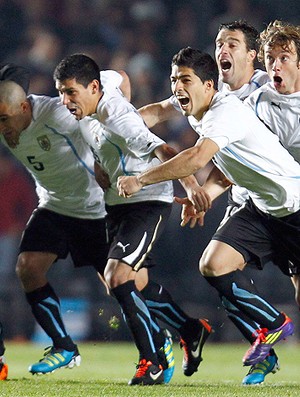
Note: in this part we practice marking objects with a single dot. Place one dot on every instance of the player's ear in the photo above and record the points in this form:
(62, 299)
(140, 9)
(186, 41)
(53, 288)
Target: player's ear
(25, 106)
(251, 55)
(209, 84)
(95, 85)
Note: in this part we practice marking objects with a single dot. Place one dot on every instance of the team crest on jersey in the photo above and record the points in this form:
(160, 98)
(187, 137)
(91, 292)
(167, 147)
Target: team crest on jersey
(44, 142)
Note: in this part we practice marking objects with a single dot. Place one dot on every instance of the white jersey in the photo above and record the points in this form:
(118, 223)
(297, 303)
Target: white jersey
(111, 80)
(250, 155)
(123, 145)
(281, 114)
(258, 78)
(60, 161)
(238, 194)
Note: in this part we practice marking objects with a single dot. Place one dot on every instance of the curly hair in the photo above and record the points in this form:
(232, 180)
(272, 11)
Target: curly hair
(279, 33)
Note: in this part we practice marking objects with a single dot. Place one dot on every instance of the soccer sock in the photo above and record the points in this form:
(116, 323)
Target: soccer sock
(45, 307)
(246, 326)
(240, 292)
(162, 306)
(138, 319)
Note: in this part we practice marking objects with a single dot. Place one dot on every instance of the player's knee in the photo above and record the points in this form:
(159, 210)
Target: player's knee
(207, 266)
(111, 274)
(117, 273)
(21, 267)
(26, 268)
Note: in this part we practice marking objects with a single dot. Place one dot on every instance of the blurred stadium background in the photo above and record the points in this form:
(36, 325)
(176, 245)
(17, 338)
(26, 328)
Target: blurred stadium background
(139, 36)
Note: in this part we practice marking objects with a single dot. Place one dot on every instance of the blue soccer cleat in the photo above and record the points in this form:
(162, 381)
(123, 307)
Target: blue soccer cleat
(258, 372)
(169, 356)
(54, 359)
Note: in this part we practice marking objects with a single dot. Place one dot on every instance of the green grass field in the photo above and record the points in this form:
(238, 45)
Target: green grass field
(107, 367)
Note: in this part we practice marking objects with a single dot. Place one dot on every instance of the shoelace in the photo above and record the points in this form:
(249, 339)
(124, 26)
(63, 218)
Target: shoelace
(47, 351)
(141, 369)
(261, 337)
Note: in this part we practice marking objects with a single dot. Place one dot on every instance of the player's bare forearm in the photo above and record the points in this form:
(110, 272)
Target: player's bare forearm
(195, 193)
(184, 164)
(156, 113)
(216, 183)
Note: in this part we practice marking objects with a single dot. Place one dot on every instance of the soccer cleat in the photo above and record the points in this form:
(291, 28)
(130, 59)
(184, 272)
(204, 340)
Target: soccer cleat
(265, 340)
(55, 358)
(166, 357)
(258, 372)
(147, 374)
(192, 350)
(3, 368)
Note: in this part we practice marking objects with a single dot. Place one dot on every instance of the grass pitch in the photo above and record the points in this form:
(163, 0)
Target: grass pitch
(106, 368)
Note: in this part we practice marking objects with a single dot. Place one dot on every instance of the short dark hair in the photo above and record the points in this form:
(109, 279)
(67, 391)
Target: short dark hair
(251, 34)
(79, 67)
(203, 64)
(16, 73)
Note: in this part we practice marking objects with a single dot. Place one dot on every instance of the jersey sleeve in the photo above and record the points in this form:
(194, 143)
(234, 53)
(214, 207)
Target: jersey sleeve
(125, 122)
(110, 80)
(226, 124)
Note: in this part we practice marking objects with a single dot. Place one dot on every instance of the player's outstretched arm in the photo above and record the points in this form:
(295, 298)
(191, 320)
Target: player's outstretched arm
(156, 113)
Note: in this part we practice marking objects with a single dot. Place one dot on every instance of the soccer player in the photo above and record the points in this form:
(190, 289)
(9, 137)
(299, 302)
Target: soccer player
(235, 54)
(123, 145)
(46, 139)
(41, 133)
(43, 128)
(21, 76)
(277, 105)
(246, 152)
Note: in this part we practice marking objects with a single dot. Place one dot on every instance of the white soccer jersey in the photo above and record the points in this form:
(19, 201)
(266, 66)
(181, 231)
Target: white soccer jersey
(250, 155)
(281, 114)
(238, 194)
(259, 78)
(111, 81)
(123, 145)
(60, 161)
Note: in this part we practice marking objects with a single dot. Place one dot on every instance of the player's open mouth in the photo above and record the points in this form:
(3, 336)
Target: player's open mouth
(277, 79)
(225, 65)
(72, 110)
(184, 101)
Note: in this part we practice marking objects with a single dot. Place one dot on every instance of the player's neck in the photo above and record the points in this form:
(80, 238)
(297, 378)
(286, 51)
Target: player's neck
(245, 79)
